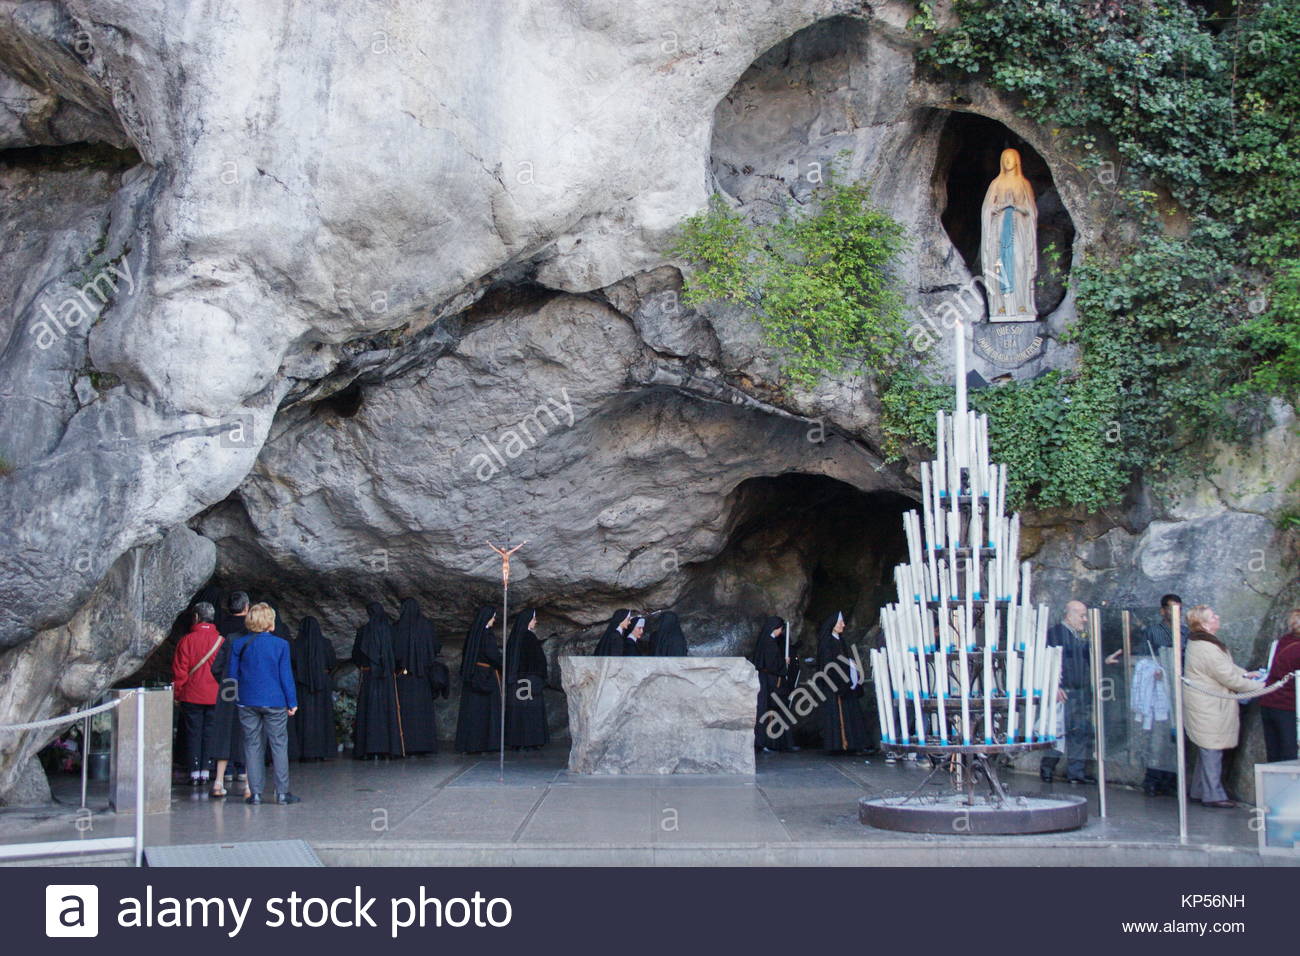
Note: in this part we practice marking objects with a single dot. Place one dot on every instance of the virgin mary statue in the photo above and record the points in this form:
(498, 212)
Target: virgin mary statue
(1008, 243)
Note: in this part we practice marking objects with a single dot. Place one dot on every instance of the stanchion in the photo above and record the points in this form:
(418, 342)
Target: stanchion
(85, 758)
(1098, 718)
(139, 776)
(1175, 625)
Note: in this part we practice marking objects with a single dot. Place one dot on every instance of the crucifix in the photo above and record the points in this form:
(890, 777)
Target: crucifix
(505, 636)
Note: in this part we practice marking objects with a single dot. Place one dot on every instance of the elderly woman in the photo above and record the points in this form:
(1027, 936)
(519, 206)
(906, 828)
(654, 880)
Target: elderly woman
(1209, 712)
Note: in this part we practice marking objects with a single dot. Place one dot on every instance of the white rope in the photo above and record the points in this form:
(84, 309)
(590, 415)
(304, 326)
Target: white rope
(66, 718)
(1248, 695)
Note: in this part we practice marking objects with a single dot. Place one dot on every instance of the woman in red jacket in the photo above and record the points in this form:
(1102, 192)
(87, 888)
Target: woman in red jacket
(1277, 710)
(195, 688)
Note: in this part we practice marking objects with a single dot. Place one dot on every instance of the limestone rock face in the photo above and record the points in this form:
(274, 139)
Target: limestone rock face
(660, 715)
(130, 613)
(350, 288)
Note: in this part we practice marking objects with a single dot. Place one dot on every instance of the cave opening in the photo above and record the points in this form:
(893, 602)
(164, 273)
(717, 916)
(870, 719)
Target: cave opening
(802, 546)
(970, 148)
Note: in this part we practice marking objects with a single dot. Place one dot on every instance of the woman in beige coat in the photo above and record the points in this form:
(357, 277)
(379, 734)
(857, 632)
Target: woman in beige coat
(1209, 715)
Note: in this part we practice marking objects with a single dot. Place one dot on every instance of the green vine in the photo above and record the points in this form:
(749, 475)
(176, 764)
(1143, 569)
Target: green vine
(1178, 327)
(1189, 305)
(820, 284)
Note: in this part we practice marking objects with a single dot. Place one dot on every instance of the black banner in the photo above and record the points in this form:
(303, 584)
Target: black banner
(663, 911)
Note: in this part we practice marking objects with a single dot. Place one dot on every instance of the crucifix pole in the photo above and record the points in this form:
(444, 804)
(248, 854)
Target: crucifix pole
(505, 638)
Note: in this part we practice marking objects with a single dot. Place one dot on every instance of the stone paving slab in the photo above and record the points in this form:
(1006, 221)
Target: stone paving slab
(798, 809)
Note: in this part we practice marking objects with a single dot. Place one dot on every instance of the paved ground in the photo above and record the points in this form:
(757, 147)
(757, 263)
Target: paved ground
(800, 809)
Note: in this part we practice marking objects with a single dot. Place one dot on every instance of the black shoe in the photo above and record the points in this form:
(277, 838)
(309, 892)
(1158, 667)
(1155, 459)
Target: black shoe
(1045, 775)
(253, 798)
(1084, 779)
(286, 798)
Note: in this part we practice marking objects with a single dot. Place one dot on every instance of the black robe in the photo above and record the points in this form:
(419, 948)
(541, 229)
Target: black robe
(669, 641)
(227, 736)
(771, 727)
(478, 726)
(526, 675)
(377, 731)
(311, 729)
(414, 653)
(844, 728)
(613, 641)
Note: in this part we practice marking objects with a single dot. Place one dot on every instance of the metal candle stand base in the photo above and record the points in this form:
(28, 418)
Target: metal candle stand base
(961, 810)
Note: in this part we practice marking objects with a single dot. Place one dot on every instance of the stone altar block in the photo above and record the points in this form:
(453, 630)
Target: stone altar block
(660, 715)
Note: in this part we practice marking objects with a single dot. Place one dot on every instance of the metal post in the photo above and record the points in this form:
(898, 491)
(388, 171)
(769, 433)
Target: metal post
(139, 776)
(1175, 625)
(505, 640)
(85, 756)
(1099, 721)
(1126, 628)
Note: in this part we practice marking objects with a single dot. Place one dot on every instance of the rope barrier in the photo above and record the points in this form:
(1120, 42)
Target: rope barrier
(66, 719)
(1248, 695)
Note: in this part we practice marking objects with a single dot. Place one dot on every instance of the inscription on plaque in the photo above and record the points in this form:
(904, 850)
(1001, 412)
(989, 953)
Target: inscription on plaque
(1008, 346)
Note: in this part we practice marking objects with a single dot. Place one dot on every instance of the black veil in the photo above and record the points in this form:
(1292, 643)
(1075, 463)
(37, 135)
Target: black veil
(474, 640)
(375, 639)
(416, 643)
(669, 641)
(611, 642)
(308, 655)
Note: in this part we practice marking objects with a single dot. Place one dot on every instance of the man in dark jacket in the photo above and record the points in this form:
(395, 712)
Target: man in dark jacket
(1075, 695)
(260, 664)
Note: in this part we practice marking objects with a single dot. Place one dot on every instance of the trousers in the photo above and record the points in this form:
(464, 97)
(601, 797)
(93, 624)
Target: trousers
(1207, 780)
(265, 727)
(198, 726)
(1279, 733)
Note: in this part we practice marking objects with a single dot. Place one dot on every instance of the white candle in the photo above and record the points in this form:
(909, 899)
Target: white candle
(941, 451)
(1013, 555)
(959, 346)
(970, 606)
(877, 682)
(942, 713)
(916, 703)
(965, 677)
(1053, 686)
(988, 693)
(1028, 675)
(943, 599)
(1013, 667)
(915, 627)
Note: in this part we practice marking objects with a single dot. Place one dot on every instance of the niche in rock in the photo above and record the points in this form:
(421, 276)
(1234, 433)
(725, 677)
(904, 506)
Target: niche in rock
(804, 546)
(967, 161)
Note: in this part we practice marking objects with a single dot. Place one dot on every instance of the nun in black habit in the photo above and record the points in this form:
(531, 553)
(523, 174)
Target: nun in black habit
(614, 640)
(844, 728)
(772, 730)
(669, 641)
(311, 729)
(478, 727)
(526, 673)
(418, 678)
(378, 731)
